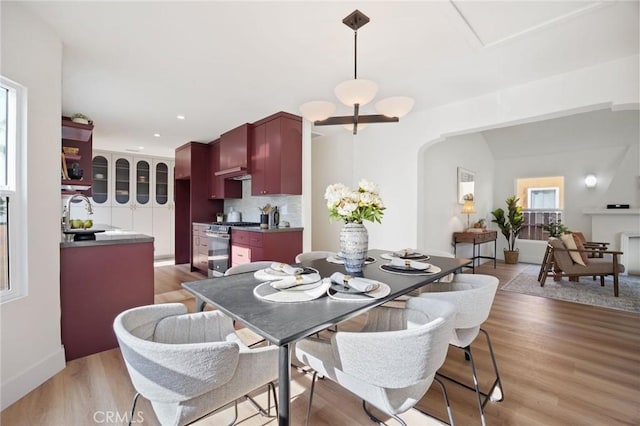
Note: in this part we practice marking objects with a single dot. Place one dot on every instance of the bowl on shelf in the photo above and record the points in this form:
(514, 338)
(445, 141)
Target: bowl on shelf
(99, 176)
(69, 150)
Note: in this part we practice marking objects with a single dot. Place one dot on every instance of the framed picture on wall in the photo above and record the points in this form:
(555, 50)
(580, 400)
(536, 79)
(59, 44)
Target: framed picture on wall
(466, 184)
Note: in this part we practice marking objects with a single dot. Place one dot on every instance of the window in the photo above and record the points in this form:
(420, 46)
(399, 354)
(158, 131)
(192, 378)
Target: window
(543, 198)
(542, 201)
(12, 190)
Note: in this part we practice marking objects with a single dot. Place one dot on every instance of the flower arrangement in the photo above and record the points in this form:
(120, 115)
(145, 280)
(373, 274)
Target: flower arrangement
(354, 205)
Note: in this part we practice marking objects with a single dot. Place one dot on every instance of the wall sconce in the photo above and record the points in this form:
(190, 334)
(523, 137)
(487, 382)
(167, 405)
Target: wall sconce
(590, 180)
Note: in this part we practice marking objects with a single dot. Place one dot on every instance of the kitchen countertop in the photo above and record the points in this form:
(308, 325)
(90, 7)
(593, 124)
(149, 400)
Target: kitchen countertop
(269, 230)
(110, 238)
(255, 228)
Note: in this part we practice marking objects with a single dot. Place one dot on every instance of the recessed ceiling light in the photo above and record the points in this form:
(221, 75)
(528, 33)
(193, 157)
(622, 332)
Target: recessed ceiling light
(156, 135)
(180, 117)
(141, 148)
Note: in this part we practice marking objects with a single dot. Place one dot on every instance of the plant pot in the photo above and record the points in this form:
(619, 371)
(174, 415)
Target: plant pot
(511, 257)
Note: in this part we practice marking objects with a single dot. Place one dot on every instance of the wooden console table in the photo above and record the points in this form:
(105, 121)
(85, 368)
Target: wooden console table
(477, 239)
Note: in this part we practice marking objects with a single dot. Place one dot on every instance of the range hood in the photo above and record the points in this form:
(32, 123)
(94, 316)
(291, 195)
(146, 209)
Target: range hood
(241, 177)
(234, 173)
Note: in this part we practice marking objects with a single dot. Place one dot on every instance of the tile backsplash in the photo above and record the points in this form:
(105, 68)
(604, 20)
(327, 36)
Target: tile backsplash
(290, 206)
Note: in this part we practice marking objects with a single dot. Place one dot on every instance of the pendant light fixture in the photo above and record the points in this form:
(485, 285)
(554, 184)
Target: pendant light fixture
(356, 93)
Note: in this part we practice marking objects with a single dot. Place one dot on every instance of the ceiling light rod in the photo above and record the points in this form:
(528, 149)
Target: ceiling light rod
(356, 93)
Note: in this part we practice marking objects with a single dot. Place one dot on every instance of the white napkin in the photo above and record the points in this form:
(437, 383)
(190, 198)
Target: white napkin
(410, 264)
(288, 269)
(404, 253)
(360, 284)
(295, 280)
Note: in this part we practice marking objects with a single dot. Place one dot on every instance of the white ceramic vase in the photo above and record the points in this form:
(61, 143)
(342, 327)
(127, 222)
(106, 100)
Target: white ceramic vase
(354, 242)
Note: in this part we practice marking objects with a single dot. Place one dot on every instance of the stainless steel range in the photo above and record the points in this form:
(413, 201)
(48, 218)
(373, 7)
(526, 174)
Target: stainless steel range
(219, 240)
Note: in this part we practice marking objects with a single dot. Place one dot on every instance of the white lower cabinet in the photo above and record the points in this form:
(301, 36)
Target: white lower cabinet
(136, 194)
(163, 223)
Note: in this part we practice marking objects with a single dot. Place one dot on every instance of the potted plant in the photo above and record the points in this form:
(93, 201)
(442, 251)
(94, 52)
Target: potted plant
(510, 226)
(80, 118)
(555, 229)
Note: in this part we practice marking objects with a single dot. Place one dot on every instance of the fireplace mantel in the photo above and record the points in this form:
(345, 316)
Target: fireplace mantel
(629, 212)
(620, 228)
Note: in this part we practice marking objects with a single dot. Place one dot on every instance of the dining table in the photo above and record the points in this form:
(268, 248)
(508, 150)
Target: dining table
(283, 324)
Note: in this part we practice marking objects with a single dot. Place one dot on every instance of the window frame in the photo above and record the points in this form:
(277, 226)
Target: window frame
(556, 190)
(16, 190)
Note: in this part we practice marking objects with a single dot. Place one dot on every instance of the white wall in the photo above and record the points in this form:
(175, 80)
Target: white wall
(332, 162)
(601, 142)
(438, 191)
(31, 346)
(389, 154)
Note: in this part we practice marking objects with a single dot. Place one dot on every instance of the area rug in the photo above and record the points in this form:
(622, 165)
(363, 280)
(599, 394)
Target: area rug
(587, 291)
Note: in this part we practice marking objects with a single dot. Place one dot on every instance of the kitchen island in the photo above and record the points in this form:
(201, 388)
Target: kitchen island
(98, 280)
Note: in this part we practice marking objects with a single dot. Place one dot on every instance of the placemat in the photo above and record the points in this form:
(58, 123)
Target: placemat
(266, 292)
(432, 270)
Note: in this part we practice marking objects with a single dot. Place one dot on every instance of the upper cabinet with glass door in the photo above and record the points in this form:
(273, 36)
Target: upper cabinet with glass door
(143, 182)
(163, 183)
(101, 173)
(122, 181)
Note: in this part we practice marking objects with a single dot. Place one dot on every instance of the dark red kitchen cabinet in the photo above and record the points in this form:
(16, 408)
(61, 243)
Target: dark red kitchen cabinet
(235, 152)
(219, 187)
(276, 159)
(183, 162)
(191, 193)
(254, 246)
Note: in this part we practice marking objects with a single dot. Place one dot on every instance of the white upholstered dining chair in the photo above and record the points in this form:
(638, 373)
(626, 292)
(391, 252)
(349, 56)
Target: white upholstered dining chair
(472, 295)
(392, 362)
(313, 255)
(189, 365)
(248, 267)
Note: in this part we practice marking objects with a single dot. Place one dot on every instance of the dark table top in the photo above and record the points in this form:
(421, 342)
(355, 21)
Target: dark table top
(283, 323)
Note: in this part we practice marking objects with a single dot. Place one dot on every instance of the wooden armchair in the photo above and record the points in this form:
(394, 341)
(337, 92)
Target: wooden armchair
(559, 263)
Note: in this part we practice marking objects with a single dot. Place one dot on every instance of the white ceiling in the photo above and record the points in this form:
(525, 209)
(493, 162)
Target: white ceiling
(133, 66)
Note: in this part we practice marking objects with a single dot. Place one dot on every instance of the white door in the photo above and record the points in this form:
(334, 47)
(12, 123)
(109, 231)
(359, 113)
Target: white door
(163, 208)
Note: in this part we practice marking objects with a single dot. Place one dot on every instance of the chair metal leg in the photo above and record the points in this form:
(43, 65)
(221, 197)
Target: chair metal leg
(495, 392)
(133, 407)
(497, 384)
(313, 385)
(235, 405)
(446, 400)
(377, 420)
(272, 388)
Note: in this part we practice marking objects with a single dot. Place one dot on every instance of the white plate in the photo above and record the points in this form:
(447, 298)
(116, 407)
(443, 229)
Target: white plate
(266, 292)
(268, 274)
(301, 287)
(383, 290)
(391, 256)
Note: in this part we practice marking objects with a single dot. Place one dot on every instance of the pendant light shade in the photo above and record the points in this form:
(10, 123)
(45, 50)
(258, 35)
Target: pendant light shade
(356, 91)
(317, 110)
(397, 106)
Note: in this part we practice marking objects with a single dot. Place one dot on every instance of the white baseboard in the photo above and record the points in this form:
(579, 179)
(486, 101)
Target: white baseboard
(16, 387)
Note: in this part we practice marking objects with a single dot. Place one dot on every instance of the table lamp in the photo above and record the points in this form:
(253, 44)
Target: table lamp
(468, 208)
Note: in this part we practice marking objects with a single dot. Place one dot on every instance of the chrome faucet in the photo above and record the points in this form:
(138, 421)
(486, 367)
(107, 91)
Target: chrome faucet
(66, 213)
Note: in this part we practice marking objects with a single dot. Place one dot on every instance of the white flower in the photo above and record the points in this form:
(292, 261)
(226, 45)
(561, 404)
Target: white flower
(368, 186)
(346, 208)
(354, 205)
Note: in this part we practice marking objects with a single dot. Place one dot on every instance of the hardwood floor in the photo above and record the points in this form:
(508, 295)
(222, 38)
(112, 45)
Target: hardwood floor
(561, 364)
